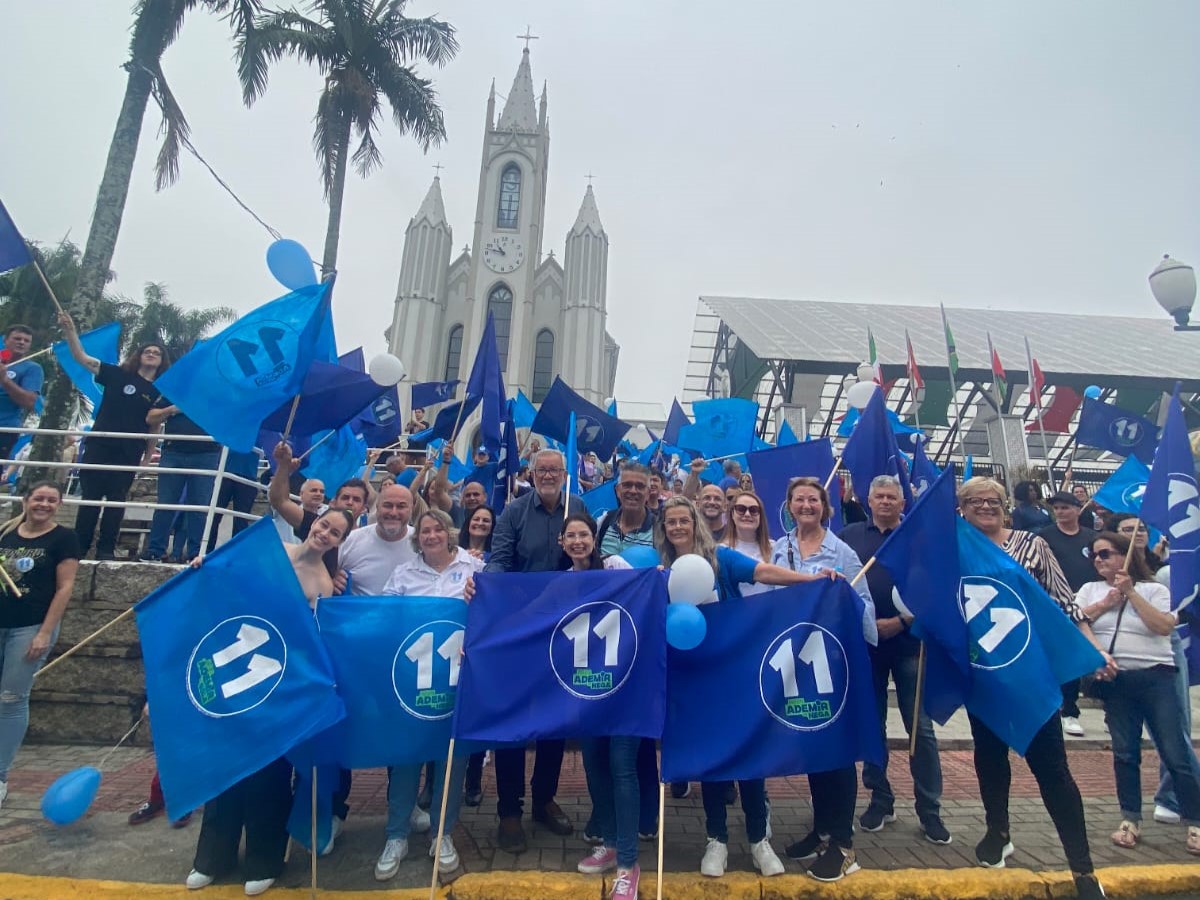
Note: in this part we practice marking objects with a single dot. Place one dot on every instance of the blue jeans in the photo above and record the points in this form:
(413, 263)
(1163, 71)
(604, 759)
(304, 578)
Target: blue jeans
(1166, 790)
(1147, 696)
(171, 489)
(16, 680)
(403, 782)
(611, 768)
(925, 766)
(754, 805)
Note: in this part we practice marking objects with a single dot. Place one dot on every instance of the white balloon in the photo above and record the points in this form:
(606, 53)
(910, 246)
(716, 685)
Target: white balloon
(1163, 577)
(691, 580)
(866, 372)
(860, 395)
(385, 369)
(898, 603)
(641, 429)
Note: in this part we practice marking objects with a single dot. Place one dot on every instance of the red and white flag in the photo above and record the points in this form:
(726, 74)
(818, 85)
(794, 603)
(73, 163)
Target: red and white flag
(914, 374)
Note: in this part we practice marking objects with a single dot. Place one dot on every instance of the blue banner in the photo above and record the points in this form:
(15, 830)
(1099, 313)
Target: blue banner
(924, 472)
(564, 654)
(597, 431)
(1172, 505)
(1125, 488)
(780, 685)
(336, 460)
(601, 499)
(236, 674)
(429, 393)
(330, 396)
(1117, 430)
(773, 469)
(523, 412)
(101, 343)
(722, 427)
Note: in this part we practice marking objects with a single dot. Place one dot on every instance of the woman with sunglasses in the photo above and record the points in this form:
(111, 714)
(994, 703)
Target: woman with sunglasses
(749, 534)
(1131, 614)
(982, 502)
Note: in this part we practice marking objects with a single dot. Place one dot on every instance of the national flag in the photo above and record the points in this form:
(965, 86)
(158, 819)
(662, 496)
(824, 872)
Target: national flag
(487, 383)
(722, 427)
(773, 469)
(1037, 378)
(780, 685)
(914, 374)
(951, 350)
(330, 396)
(676, 420)
(564, 654)
(598, 432)
(1057, 417)
(873, 359)
(786, 436)
(13, 249)
(999, 376)
(104, 344)
(871, 450)
(1125, 488)
(429, 393)
(233, 381)
(1117, 430)
(234, 666)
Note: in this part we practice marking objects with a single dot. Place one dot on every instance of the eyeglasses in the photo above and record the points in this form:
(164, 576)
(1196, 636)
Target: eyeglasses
(1128, 531)
(547, 473)
(984, 502)
(1105, 554)
(746, 510)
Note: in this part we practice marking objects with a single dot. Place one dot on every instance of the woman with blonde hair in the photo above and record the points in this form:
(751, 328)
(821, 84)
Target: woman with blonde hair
(749, 534)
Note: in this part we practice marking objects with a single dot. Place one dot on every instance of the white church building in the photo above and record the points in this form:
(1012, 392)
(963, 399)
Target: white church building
(550, 317)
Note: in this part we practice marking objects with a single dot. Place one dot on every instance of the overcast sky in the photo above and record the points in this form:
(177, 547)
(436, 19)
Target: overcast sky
(1017, 155)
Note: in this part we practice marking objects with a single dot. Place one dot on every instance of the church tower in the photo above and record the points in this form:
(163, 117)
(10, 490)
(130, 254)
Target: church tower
(419, 295)
(584, 313)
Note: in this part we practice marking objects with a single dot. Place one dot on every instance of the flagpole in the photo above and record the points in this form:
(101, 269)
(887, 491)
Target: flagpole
(87, 640)
(662, 827)
(992, 359)
(315, 850)
(300, 458)
(1037, 400)
(836, 466)
(916, 710)
(32, 355)
(958, 413)
(37, 267)
(912, 365)
(1132, 544)
(441, 829)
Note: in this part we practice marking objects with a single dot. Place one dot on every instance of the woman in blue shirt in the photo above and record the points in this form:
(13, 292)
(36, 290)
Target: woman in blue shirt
(678, 532)
(811, 547)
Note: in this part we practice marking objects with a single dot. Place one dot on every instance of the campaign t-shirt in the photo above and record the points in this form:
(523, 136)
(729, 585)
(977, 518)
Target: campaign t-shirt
(27, 375)
(733, 569)
(1073, 552)
(33, 565)
(128, 397)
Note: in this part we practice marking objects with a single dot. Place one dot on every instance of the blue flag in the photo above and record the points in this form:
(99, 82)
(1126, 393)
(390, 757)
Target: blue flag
(487, 383)
(564, 654)
(773, 469)
(969, 469)
(101, 343)
(429, 393)
(448, 417)
(780, 685)
(675, 421)
(509, 463)
(598, 432)
(571, 455)
(1172, 505)
(1117, 430)
(236, 673)
(457, 471)
(233, 381)
(523, 412)
(924, 473)
(723, 427)
(871, 450)
(786, 436)
(601, 499)
(1125, 488)
(336, 460)
(330, 396)
(903, 432)
(13, 249)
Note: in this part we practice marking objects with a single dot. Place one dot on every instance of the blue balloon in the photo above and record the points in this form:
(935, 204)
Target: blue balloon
(291, 265)
(640, 556)
(1091, 392)
(686, 626)
(69, 797)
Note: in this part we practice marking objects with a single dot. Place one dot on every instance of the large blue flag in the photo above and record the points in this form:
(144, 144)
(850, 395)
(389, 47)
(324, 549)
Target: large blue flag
(523, 411)
(571, 455)
(1117, 430)
(487, 383)
(236, 674)
(722, 427)
(1172, 505)
(924, 473)
(429, 393)
(509, 463)
(337, 459)
(871, 450)
(1125, 488)
(564, 654)
(780, 685)
(601, 499)
(676, 420)
(330, 396)
(903, 432)
(13, 249)
(449, 418)
(104, 344)
(233, 381)
(773, 469)
(598, 432)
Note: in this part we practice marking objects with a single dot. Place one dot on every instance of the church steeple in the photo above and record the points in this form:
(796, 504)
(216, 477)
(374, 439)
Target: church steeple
(588, 218)
(432, 209)
(585, 290)
(520, 112)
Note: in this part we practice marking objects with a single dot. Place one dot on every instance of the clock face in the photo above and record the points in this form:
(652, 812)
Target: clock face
(504, 253)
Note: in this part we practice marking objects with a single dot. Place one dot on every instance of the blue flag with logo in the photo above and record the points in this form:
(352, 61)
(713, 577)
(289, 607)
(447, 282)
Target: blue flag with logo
(924, 473)
(571, 455)
(903, 432)
(676, 420)
(330, 396)
(236, 673)
(13, 249)
(101, 343)
(597, 431)
(337, 459)
(1125, 488)
(1172, 505)
(722, 427)
(780, 685)
(773, 469)
(564, 654)
(429, 393)
(1117, 430)
(233, 381)
(871, 450)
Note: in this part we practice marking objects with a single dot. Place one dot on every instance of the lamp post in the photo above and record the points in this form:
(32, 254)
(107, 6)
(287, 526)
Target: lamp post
(1174, 287)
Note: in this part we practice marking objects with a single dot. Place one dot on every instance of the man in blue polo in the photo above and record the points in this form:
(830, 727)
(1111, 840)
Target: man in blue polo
(22, 383)
(631, 524)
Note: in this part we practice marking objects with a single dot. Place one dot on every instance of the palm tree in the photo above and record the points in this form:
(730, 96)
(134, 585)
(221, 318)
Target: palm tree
(156, 25)
(171, 325)
(363, 49)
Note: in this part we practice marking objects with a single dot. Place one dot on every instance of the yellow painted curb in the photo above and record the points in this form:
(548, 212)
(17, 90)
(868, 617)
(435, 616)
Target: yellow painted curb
(899, 884)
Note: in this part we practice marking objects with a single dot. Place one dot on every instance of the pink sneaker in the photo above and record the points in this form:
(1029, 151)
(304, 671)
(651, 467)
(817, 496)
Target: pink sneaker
(626, 883)
(601, 859)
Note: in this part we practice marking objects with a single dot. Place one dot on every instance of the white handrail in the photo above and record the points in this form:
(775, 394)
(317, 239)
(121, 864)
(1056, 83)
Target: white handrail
(139, 435)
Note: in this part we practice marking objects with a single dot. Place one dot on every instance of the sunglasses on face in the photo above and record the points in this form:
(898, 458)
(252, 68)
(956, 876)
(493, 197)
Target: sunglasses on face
(746, 510)
(1106, 554)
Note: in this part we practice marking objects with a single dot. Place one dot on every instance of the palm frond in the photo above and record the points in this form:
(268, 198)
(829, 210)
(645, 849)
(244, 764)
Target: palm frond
(414, 104)
(429, 39)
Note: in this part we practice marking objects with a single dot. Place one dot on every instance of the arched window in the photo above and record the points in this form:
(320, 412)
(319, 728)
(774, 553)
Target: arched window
(454, 353)
(543, 365)
(509, 206)
(499, 304)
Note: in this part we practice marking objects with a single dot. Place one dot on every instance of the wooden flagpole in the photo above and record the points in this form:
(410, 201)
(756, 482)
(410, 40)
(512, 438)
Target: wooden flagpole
(87, 640)
(316, 851)
(662, 827)
(441, 829)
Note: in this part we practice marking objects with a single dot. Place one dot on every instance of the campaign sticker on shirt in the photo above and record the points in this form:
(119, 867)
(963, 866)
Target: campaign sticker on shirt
(25, 564)
(593, 648)
(12, 374)
(130, 390)
(425, 669)
(804, 677)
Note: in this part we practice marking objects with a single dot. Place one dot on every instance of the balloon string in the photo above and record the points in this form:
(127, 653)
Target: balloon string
(135, 727)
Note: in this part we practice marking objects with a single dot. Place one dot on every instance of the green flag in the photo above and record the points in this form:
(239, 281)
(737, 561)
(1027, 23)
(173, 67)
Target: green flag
(951, 352)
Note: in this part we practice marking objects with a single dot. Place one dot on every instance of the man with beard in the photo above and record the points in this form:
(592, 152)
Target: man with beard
(370, 555)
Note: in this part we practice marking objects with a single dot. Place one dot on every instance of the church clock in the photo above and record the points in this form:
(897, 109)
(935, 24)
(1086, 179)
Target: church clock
(504, 253)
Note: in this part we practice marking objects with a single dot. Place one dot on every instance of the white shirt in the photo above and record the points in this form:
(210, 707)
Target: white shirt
(371, 560)
(417, 578)
(1136, 647)
(752, 550)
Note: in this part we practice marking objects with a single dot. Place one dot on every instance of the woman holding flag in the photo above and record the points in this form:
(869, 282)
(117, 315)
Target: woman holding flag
(678, 532)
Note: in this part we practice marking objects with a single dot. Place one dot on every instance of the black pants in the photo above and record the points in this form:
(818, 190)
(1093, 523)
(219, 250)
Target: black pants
(260, 803)
(97, 484)
(1070, 695)
(341, 796)
(241, 497)
(510, 777)
(1047, 759)
(474, 780)
(833, 796)
(7, 441)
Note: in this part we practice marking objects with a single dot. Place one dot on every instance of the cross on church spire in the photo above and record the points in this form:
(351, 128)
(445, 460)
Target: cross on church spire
(438, 168)
(527, 37)
(589, 176)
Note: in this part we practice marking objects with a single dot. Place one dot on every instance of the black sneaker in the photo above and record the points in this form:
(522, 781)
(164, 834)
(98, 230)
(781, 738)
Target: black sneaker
(936, 832)
(994, 849)
(472, 797)
(1088, 887)
(145, 813)
(875, 818)
(681, 789)
(833, 864)
(808, 848)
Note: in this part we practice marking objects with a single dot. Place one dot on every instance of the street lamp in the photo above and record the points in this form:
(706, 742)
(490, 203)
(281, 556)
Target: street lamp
(1174, 287)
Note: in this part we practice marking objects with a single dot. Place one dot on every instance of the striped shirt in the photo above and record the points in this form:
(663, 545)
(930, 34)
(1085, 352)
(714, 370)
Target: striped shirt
(1035, 555)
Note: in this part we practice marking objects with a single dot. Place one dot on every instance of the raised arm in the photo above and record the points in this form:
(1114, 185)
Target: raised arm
(279, 492)
(691, 486)
(77, 352)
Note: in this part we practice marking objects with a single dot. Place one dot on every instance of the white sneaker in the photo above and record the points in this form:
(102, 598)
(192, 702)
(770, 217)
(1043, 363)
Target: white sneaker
(1164, 815)
(3, 792)
(389, 860)
(765, 859)
(1072, 727)
(197, 880)
(419, 821)
(335, 828)
(260, 886)
(716, 858)
(447, 855)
